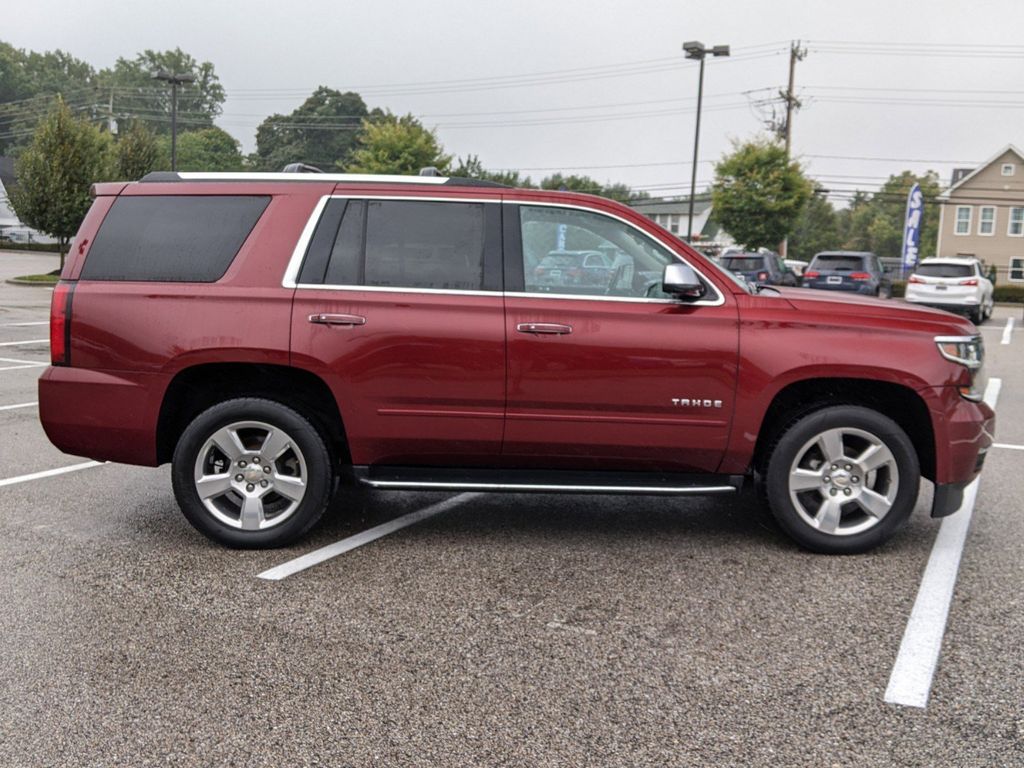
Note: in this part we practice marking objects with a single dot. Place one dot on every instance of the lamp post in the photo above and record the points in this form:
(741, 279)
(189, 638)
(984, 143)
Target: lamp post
(175, 80)
(696, 50)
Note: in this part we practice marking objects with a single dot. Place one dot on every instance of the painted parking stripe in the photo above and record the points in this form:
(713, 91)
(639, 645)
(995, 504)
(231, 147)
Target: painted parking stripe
(50, 473)
(17, 405)
(19, 343)
(318, 556)
(20, 367)
(1008, 446)
(911, 680)
(23, 362)
(1007, 331)
(22, 325)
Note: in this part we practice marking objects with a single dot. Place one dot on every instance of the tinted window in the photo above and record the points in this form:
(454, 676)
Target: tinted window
(178, 239)
(347, 253)
(838, 263)
(944, 270)
(424, 245)
(743, 263)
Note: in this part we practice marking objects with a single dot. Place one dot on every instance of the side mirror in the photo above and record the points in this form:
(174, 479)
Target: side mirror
(682, 282)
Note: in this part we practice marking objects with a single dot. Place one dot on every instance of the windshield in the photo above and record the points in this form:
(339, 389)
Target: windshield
(944, 270)
(743, 263)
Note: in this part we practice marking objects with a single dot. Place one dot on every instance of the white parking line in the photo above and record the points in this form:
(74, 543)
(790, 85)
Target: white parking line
(318, 556)
(22, 325)
(17, 405)
(911, 680)
(50, 473)
(1007, 331)
(19, 343)
(1008, 445)
(25, 365)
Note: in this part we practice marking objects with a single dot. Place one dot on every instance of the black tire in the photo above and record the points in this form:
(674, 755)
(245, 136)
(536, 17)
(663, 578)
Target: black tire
(792, 445)
(306, 455)
(976, 316)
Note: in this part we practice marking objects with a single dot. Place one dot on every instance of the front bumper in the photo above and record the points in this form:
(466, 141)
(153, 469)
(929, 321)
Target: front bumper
(964, 431)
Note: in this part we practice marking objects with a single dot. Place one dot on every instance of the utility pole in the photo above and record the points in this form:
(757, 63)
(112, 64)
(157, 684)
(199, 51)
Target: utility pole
(796, 53)
(175, 80)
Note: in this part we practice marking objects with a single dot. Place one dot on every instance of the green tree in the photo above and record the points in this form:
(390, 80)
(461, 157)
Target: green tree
(816, 228)
(758, 193)
(401, 145)
(470, 167)
(28, 83)
(321, 132)
(54, 173)
(208, 149)
(139, 152)
(875, 222)
(575, 183)
(136, 92)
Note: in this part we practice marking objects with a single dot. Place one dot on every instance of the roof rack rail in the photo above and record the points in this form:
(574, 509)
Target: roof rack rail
(306, 176)
(300, 168)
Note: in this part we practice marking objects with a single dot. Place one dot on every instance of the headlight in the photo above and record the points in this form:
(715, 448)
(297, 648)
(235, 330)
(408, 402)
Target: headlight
(968, 351)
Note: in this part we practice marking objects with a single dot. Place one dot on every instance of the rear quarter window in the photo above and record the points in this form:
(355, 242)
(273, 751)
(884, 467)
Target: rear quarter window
(172, 238)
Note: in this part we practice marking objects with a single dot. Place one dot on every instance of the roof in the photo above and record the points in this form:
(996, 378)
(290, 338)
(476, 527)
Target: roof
(340, 178)
(963, 180)
(965, 260)
(681, 207)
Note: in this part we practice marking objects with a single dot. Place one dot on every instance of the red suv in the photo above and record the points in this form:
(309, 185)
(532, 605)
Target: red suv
(276, 336)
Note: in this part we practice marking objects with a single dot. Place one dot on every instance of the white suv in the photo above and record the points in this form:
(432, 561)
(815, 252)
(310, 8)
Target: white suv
(957, 285)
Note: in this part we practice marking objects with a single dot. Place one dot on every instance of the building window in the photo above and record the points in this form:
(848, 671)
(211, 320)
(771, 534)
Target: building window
(987, 220)
(1008, 169)
(1015, 228)
(963, 220)
(1017, 270)
(674, 225)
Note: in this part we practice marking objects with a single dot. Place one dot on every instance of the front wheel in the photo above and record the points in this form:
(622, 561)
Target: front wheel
(842, 479)
(252, 473)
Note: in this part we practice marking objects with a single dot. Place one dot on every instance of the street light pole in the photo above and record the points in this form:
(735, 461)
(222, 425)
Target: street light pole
(175, 80)
(696, 50)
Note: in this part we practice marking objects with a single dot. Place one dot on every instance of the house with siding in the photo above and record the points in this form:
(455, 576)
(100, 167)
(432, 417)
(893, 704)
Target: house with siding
(982, 214)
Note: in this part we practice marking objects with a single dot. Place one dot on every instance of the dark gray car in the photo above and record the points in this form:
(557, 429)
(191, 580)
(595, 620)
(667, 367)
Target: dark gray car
(853, 271)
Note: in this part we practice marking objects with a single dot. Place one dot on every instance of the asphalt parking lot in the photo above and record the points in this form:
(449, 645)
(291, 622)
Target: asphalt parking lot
(507, 630)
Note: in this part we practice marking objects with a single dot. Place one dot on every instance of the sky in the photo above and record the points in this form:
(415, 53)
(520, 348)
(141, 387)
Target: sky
(601, 87)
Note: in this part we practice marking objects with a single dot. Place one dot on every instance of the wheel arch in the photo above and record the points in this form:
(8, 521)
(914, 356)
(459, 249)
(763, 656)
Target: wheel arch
(196, 388)
(900, 403)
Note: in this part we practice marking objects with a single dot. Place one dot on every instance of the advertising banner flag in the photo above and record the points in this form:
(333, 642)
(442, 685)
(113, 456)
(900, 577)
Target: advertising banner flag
(912, 228)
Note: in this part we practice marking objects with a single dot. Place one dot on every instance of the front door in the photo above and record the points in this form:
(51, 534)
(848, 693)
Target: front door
(604, 371)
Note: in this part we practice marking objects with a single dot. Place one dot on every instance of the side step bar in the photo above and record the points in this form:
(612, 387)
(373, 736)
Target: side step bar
(545, 481)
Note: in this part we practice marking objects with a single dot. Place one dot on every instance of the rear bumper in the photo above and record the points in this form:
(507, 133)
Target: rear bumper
(866, 289)
(107, 416)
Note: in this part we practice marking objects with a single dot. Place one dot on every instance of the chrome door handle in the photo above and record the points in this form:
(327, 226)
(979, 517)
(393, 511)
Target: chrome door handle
(338, 319)
(550, 328)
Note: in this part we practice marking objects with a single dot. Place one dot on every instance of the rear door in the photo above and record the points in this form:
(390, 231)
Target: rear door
(398, 307)
(614, 376)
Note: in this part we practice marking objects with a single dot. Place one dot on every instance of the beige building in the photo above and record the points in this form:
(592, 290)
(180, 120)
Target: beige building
(982, 214)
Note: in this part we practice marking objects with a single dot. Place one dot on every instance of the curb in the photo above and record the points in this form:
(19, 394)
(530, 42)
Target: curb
(31, 283)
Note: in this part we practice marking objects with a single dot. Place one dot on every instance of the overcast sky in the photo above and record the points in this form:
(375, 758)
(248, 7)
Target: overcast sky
(969, 101)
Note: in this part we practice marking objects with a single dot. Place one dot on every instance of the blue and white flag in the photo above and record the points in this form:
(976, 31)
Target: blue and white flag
(912, 227)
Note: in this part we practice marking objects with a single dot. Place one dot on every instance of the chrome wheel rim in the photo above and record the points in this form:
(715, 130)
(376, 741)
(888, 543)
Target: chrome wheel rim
(250, 475)
(843, 481)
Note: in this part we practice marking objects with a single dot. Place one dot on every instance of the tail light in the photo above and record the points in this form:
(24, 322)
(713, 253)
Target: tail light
(762, 275)
(972, 281)
(860, 276)
(915, 279)
(60, 323)
(811, 275)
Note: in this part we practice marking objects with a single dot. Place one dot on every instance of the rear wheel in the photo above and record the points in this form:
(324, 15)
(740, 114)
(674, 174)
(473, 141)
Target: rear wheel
(976, 315)
(252, 473)
(842, 479)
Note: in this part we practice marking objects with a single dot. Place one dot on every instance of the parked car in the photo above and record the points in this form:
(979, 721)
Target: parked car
(798, 266)
(567, 268)
(279, 338)
(953, 284)
(764, 268)
(855, 271)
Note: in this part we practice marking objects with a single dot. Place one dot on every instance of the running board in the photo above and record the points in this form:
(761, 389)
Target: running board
(545, 481)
